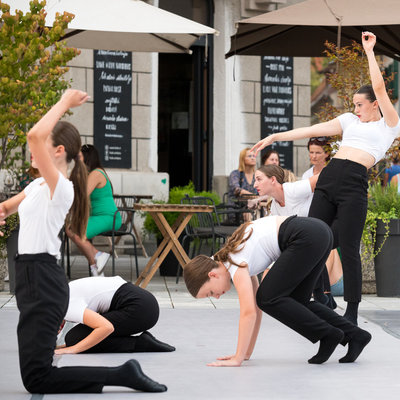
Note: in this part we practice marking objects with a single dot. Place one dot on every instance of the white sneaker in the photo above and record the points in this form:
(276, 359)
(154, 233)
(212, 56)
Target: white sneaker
(7, 278)
(93, 270)
(101, 261)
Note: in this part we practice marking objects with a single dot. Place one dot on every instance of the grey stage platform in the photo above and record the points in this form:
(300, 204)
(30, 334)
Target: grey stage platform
(278, 370)
(204, 329)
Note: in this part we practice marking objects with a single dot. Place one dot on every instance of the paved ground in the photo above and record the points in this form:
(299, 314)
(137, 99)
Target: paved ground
(204, 329)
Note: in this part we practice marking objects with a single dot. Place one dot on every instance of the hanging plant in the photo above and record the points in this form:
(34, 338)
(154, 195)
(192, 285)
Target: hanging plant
(383, 205)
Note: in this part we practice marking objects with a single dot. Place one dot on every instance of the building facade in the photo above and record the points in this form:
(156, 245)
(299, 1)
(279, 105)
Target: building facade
(192, 114)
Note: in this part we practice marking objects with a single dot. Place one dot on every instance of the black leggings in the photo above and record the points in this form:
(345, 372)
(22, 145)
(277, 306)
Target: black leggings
(286, 290)
(132, 310)
(341, 196)
(42, 295)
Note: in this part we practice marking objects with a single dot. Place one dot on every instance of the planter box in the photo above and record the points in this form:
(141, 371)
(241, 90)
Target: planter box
(387, 262)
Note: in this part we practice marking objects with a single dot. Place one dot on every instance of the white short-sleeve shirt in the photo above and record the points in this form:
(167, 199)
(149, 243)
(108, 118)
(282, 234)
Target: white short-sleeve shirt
(42, 217)
(374, 137)
(94, 293)
(260, 250)
(298, 197)
(308, 174)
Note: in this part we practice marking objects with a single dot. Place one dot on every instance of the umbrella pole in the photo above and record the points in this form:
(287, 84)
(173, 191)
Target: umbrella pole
(339, 35)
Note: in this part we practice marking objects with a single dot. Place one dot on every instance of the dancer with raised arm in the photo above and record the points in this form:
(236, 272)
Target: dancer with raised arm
(41, 286)
(341, 191)
(299, 246)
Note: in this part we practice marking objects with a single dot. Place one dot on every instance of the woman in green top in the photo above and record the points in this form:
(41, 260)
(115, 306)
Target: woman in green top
(102, 210)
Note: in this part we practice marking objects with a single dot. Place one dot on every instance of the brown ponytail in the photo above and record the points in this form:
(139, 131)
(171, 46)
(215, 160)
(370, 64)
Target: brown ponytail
(79, 213)
(65, 134)
(234, 244)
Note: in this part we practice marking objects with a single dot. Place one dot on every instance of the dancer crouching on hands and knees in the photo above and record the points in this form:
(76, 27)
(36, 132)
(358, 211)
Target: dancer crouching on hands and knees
(299, 246)
(41, 286)
(341, 191)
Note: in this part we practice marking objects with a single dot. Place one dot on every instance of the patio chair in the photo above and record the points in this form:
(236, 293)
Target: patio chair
(125, 208)
(205, 226)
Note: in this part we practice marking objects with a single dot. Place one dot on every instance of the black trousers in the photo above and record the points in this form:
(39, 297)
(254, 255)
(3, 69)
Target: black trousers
(42, 298)
(286, 290)
(132, 310)
(341, 196)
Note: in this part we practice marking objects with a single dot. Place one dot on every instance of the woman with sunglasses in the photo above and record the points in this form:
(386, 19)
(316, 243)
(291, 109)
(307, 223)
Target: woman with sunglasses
(341, 191)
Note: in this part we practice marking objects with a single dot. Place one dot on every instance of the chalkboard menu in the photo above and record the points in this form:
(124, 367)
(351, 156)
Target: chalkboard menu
(277, 103)
(113, 107)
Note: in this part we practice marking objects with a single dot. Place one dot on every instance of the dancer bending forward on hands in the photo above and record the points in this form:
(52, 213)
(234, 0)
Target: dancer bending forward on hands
(109, 311)
(41, 287)
(299, 246)
(341, 191)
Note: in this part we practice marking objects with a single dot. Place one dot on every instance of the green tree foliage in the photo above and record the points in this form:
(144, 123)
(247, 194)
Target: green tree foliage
(32, 64)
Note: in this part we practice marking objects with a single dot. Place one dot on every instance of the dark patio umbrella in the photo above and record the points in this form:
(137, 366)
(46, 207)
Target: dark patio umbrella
(301, 30)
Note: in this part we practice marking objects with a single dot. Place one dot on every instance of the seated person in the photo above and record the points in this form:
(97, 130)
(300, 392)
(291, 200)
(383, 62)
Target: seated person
(270, 157)
(392, 171)
(108, 312)
(241, 180)
(335, 272)
(102, 210)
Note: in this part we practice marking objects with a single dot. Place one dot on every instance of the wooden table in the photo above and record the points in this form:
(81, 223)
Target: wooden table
(126, 201)
(170, 234)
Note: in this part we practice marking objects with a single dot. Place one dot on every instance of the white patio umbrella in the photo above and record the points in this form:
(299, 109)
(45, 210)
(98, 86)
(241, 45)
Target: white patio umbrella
(129, 25)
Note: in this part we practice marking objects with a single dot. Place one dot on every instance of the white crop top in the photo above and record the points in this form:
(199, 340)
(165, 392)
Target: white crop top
(298, 198)
(94, 293)
(41, 217)
(260, 250)
(373, 137)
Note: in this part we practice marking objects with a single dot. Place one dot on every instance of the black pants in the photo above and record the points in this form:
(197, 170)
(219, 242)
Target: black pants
(286, 290)
(42, 297)
(132, 310)
(341, 196)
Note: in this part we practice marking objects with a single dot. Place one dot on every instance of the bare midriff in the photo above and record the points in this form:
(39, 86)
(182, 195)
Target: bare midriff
(356, 155)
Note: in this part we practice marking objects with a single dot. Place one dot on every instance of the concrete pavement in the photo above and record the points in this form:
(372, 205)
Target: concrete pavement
(204, 329)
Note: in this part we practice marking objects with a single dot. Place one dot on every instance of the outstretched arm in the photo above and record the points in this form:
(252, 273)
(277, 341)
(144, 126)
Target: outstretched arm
(389, 113)
(9, 207)
(247, 321)
(38, 135)
(101, 329)
(330, 128)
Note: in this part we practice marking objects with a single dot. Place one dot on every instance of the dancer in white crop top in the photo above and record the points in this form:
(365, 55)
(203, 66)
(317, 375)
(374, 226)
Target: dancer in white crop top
(341, 191)
(41, 287)
(299, 246)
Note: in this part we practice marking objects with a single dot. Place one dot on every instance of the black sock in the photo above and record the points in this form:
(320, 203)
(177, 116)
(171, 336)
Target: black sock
(331, 303)
(147, 342)
(356, 346)
(131, 375)
(320, 296)
(351, 313)
(327, 346)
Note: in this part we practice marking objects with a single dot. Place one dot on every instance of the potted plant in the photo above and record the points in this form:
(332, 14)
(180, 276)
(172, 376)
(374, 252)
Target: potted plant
(8, 230)
(381, 238)
(169, 265)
